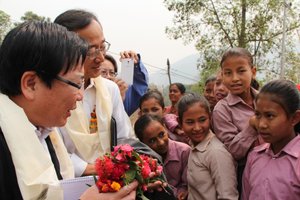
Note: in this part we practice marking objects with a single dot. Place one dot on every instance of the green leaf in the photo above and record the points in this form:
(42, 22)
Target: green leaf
(129, 176)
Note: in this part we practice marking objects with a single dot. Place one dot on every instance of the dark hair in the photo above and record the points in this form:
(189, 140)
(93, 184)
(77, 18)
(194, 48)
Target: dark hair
(255, 84)
(155, 94)
(43, 47)
(284, 93)
(237, 51)
(75, 20)
(113, 61)
(142, 123)
(210, 79)
(187, 101)
(180, 87)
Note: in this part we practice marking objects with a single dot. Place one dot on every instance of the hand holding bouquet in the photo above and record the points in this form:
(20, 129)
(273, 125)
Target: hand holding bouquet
(124, 165)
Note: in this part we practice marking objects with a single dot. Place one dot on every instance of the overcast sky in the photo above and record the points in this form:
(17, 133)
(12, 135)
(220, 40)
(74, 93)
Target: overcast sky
(133, 24)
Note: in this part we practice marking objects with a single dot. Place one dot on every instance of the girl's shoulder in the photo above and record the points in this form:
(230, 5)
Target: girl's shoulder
(179, 145)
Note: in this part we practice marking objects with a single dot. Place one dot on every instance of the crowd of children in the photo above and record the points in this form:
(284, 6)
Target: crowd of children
(242, 143)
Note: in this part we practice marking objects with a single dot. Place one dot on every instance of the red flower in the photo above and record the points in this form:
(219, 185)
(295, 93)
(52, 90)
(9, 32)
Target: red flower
(122, 166)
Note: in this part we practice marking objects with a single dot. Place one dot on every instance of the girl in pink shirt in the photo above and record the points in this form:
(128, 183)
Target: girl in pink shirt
(273, 169)
(230, 118)
(150, 130)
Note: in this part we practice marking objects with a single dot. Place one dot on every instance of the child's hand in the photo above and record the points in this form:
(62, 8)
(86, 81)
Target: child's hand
(182, 195)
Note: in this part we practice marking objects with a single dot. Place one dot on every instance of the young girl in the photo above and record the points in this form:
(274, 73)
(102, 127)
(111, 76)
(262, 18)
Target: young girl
(220, 90)
(176, 91)
(153, 103)
(231, 115)
(273, 169)
(211, 169)
(150, 130)
(209, 91)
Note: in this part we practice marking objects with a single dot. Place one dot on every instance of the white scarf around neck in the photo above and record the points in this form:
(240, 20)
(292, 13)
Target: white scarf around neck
(90, 146)
(34, 169)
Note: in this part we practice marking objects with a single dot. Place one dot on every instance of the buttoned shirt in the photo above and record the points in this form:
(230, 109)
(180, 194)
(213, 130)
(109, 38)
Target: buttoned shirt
(211, 171)
(270, 176)
(230, 120)
(175, 165)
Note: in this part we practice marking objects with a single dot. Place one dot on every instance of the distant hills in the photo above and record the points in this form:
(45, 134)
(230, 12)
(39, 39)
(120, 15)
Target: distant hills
(184, 71)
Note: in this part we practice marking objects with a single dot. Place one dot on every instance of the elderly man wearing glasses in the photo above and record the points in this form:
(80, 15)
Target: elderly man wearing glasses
(131, 94)
(87, 134)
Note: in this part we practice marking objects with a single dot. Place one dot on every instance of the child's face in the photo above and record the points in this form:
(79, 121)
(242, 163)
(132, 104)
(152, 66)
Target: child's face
(220, 90)
(209, 93)
(151, 106)
(174, 94)
(156, 137)
(272, 122)
(196, 123)
(237, 74)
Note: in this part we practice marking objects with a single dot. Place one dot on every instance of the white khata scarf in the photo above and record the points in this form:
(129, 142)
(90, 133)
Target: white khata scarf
(34, 169)
(91, 146)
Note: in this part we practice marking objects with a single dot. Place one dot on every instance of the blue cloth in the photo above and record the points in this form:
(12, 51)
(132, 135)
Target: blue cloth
(137, 89)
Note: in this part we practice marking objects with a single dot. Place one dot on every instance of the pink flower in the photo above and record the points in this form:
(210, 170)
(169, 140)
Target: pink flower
(159, 169)
(122, 152)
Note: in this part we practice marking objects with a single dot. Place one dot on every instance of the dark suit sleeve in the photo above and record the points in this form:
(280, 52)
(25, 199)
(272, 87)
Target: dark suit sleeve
(9, 189)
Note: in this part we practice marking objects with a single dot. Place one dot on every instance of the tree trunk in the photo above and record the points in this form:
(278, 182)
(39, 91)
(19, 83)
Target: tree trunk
(242, 36)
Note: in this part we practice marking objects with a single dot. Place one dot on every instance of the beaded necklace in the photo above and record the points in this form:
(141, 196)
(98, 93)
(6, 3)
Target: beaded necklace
(93, 121)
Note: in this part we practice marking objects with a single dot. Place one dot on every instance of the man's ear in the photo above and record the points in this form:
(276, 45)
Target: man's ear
(28, 84)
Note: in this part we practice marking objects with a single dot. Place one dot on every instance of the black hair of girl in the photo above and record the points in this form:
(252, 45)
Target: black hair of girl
(284, 93)
(180, 87)
(255, 84)
(210, 79)
(113, 62)
(187, 101)
(155, 94)
(237, 51)
(142, 123)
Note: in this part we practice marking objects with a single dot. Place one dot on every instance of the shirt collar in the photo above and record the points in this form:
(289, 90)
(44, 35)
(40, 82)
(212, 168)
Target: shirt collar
(202, 146)
(234, 99)
(292, 148)
(43, 133)
(92, 84)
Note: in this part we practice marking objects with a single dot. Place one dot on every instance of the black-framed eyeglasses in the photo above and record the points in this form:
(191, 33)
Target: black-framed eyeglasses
(96, 52)
(70, 82)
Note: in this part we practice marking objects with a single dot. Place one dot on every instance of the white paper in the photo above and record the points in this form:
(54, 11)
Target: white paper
(74, 188)
(127, 67)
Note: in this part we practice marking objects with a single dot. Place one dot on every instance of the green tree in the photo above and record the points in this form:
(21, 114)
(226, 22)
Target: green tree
(31, 16)
(217, 25)
(5, 24)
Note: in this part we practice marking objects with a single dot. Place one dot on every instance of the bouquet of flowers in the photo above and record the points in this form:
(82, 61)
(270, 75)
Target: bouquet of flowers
(122, 166)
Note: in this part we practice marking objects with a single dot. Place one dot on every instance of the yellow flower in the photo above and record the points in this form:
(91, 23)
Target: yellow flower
(115, 186)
